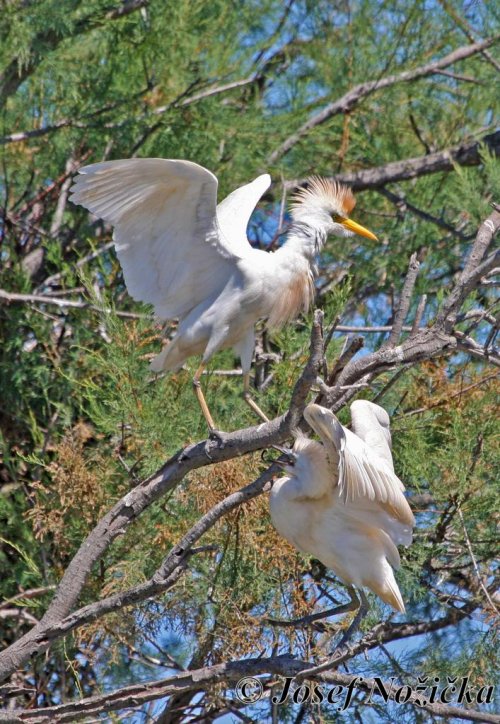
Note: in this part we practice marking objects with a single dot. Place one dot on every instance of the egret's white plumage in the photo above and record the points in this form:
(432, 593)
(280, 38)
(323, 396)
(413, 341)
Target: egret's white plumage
(191, 259)
(342, 502)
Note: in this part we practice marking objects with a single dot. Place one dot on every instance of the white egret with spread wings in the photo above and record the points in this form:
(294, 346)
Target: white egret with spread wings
(342, 502)
(190, 258)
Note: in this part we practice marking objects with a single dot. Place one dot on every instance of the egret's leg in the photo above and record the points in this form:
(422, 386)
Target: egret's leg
(364, 607)
(337, 654)
(352, 605)
(201, 397)
(248, 398)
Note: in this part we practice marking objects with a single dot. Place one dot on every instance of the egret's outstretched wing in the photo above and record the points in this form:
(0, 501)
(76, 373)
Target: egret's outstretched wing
(362, 473)
(166, 234)
(233, 214)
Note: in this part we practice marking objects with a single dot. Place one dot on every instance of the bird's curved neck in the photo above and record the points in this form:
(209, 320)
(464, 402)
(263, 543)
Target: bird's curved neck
(305, 239)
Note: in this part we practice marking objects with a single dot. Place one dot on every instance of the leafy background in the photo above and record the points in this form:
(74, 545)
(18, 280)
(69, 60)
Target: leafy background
(81, 420)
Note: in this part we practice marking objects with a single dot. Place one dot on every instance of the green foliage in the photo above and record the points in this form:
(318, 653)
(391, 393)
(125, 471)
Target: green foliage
(82, 419)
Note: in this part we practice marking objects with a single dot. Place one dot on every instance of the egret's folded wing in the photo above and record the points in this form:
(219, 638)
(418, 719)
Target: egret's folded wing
(233, 214)
(371, 423)
(166, 233)
(366, 475)
(363, 476)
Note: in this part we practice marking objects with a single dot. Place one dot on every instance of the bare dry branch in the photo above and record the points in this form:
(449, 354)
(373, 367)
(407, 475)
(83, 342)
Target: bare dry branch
(348, 101)
(226, 674)
(474, 269)
(351, 348)
(465, 154)
(418, 314)
(404, 302)
(62, 303)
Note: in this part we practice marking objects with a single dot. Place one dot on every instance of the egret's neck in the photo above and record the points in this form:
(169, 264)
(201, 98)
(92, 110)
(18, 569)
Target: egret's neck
(305, 239)
(294, 265)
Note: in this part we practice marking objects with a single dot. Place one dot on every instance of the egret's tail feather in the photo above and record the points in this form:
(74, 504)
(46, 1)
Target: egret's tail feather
(389, 592)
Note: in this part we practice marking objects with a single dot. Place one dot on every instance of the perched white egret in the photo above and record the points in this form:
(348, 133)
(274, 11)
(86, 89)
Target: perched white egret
(191, 259)
(342, 501)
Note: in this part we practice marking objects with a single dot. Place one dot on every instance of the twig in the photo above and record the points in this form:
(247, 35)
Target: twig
(389, 384)
(332, 329)
(418, 315)
(81, 262)
(446, 399)
(375, 329)
(404, 302)
(19, 613)
(58, 302)
(27, 595)
(474, 562)
(401, 202)
(352, 347)
(464, 26)
(476, 350)
(458, 76)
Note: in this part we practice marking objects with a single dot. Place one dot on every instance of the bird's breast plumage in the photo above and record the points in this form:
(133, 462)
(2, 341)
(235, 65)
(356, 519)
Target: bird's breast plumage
(295, 518)
(291, 290)
(275, 287)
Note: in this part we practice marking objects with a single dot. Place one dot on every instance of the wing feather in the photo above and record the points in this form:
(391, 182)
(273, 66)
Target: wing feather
(166, 232)
(369, 476)
(371, 423)
(366, 481)
(233, 214)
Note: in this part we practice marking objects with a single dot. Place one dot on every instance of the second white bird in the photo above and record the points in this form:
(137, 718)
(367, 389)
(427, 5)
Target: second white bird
(342, 501)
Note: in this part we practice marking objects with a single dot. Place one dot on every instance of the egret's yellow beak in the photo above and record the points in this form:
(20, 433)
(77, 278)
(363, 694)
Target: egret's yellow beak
(357, 228)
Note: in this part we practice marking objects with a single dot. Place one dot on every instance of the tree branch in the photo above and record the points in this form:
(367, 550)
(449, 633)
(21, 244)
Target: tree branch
(404, 302)
(115, 522)
(464, 154)
(472, 272)
(61, 303)
(347, 102)
(225, 674)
